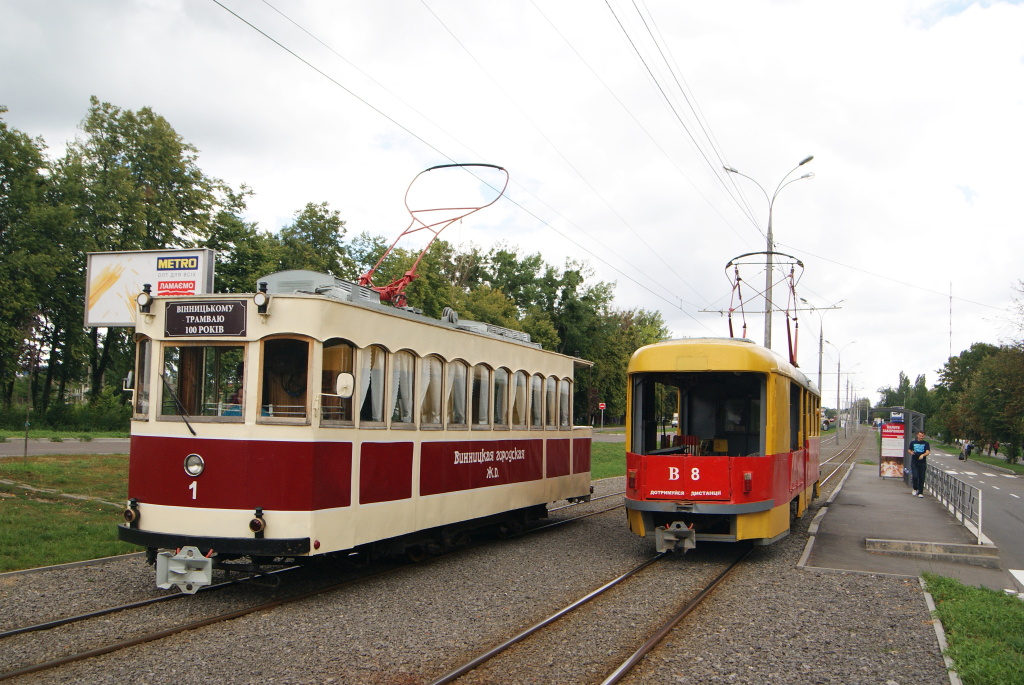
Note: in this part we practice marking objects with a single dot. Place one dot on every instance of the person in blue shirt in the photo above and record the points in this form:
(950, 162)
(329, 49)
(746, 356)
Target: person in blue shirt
(919, 450)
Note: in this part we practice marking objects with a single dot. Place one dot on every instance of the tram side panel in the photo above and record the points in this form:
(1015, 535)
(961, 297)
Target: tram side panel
(276, 484)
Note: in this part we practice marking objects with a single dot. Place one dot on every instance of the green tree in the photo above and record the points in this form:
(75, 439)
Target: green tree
(244, 253)
(314, 241)
(135, 184)
(35, 252)
(954, 379)
(992, 405)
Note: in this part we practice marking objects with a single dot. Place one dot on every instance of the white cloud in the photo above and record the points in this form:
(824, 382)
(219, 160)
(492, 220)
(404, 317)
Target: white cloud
(912, 110)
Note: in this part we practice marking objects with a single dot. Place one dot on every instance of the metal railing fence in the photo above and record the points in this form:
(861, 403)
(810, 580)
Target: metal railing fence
(962, 499)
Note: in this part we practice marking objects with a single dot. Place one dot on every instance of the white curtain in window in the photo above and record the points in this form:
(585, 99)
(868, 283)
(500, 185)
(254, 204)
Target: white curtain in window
(457, 393)
(501, 397)
(564, 394)
(519, 399)
(402, 367)
(536, 401)
(371, 383)
(431, 384)
(551, 400)
(481, 394)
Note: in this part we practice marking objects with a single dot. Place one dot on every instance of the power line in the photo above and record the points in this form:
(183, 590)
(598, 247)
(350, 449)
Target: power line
(434, 148)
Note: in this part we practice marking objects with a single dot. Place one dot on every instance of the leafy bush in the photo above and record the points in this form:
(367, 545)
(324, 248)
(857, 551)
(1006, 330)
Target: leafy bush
(107, 413)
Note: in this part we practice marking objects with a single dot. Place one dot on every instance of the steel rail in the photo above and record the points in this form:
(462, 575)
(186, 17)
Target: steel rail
(854, 448)
(628, 665)
(135, 605)
(522, 635)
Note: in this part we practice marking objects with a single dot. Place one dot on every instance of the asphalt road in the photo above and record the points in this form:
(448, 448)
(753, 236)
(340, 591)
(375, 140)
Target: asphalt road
(16, 448)
(1002, 503)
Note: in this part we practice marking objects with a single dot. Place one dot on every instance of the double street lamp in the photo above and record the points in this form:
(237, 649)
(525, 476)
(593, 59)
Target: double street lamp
(771, 243)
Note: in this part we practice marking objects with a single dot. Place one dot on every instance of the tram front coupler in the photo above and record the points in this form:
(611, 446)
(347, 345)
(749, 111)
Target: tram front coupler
(675, 537)
(187, 569)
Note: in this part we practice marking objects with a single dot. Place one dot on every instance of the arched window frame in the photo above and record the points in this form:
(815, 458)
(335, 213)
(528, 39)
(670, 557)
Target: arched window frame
(500, 414)
(481, 378)
(456, 395)
(402, 390)
(551, 403)
(371, 380)
(565, 404)
(520, 392)
(272, 374)
(337, 356)
(537, 402)
(431, 398)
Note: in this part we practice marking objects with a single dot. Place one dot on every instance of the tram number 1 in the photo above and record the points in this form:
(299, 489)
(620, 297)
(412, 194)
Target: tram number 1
(673, 473)
(194, 487)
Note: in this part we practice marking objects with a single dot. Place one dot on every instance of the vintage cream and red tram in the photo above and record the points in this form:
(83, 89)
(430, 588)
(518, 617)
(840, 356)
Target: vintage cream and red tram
(308, 418)
(722, 442)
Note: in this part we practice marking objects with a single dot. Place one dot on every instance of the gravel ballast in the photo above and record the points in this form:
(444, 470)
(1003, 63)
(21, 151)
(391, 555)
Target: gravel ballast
(769, 623)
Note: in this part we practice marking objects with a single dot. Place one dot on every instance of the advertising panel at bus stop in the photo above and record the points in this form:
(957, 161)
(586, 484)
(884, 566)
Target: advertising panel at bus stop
(890, 463)
(115, 279)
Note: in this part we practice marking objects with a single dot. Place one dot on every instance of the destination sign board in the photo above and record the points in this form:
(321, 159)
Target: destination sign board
(205, 317)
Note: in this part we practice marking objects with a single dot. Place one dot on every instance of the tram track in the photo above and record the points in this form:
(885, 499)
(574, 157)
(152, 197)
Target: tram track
(63, 625)
(843, 457)
(655, 636)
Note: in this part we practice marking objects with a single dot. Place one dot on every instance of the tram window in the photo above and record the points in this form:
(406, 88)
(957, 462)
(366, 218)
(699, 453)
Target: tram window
(285, 377)
(338, 358)
(551, 402)
(537, 402)
(794, 416)
(371, 384)
(481, 396)
(455, 403)
(403, 367)
(501, 378)
(202, 380)
(431, 386)
(520, 396)
(719, 413)
(142, 378)
(564, 403)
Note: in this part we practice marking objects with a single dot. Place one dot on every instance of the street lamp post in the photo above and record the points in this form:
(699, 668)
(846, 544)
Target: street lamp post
(771, 243)
(821, 311)
(839, 380)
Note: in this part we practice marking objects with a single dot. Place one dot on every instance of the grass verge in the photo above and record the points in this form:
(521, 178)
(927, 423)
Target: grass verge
(607, 459)
(984, 628)
(103, 476)
(43, 528)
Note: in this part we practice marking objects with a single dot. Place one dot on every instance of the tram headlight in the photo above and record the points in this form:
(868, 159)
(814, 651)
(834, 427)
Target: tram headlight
(261, 299)
(194, 465)
(145, 298)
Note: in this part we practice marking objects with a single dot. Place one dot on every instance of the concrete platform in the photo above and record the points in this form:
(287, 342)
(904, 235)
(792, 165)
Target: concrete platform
(911, 535)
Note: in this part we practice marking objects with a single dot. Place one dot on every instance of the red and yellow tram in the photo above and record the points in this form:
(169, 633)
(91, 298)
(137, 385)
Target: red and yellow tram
(308, 418)
(722, 443)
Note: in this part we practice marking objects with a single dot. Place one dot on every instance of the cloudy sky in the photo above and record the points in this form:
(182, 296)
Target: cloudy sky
(614, 120)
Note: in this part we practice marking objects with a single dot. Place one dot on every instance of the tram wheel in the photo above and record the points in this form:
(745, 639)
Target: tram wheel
(416, 553)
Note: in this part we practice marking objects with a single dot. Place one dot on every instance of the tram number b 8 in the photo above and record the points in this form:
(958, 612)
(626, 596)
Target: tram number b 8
(673, 473)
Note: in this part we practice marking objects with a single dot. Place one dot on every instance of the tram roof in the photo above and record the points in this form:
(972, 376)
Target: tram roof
(713, 354)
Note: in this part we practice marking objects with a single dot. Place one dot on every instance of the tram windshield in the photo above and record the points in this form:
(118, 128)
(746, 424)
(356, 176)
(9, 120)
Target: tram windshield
(202, 380)
(707, 413)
